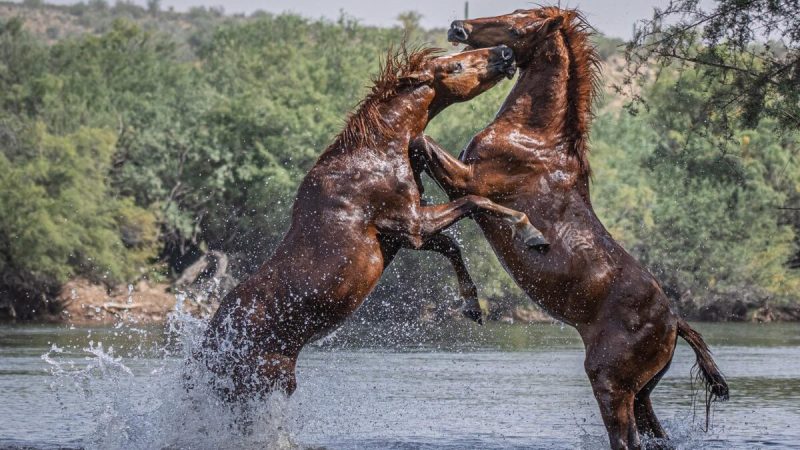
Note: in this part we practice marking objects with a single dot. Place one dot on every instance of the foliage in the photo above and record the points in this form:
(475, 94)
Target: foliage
(748, 51)
(705, 220)
(60, 220)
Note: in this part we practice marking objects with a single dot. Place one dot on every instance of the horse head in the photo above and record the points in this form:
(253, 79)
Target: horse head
(462, 76)
(524, 30)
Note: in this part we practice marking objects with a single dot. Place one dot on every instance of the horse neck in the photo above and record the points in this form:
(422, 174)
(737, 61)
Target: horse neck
(538, 108)
(406, 115)
(537, 105)
(384, 128)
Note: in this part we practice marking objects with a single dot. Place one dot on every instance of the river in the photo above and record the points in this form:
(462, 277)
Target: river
(460, 386)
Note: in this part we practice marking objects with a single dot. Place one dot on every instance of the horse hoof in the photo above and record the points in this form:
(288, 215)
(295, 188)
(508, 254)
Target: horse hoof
(475, 315)
(538, 243)
(532, 237)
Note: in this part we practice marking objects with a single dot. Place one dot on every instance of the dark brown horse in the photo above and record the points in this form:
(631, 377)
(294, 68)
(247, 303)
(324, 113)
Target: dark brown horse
(533, 158)
(355, 209)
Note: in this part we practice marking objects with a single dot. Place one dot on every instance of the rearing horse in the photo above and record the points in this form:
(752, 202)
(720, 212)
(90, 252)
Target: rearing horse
(358, 205)
(533, 158)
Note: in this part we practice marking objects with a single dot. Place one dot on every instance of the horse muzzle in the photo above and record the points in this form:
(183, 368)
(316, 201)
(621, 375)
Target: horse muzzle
(458, 33)
(501, 59)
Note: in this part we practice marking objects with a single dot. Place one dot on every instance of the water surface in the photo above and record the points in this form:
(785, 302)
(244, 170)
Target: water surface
(461, 386)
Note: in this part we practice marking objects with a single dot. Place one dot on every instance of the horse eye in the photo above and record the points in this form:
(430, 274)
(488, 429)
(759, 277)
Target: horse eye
(457, 68)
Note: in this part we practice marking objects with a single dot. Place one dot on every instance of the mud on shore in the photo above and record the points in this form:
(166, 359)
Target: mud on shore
(86, 303)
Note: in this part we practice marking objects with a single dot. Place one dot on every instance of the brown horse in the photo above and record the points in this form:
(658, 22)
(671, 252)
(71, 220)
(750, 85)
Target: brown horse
(355, 209)
(533, 158)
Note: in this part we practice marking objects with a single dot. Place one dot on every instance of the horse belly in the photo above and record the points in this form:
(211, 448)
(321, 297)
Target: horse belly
(560, 280)
(356, 279)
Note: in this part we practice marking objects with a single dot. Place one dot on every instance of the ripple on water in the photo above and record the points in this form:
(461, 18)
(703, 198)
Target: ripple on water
(497, 387)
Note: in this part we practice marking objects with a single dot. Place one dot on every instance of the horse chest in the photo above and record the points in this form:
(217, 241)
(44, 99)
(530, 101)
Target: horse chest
(487, 145)
(399, 178)
(394, 194)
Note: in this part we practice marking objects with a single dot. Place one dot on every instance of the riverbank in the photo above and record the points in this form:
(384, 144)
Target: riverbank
(84, 303)
(724, 310)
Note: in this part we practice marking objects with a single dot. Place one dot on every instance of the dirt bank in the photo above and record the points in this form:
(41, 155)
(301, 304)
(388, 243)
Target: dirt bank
(85, 303)
(720, 309)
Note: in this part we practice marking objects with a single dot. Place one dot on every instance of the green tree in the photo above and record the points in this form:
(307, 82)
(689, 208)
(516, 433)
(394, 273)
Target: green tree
(128, 142)
(750, 50)
(409, 20)
(153, 7)
(700, 213)
(64, 221)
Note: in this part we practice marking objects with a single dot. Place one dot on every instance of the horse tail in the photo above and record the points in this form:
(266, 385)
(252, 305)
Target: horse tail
(714, 382)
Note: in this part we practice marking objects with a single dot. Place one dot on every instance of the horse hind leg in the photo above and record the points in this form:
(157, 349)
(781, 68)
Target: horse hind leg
(613, 375)
(616, 408)
(279, 372)
(647, 424)
(263, 375)
(646, 421)
(621, 371)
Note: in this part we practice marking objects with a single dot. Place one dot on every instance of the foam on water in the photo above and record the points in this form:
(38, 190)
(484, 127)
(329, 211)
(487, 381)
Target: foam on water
(149, 404)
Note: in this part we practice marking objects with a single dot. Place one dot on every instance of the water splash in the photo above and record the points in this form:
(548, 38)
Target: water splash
(353, 395)
(160, 396)
(684, 434)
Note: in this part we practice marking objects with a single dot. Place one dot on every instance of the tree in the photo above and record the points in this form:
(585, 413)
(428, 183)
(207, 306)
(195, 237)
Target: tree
(749, 50)
(409, 20)
(64, 221)
(747, 53)
(699, 212)
(128, 142)
(98, 5)
(153, 7)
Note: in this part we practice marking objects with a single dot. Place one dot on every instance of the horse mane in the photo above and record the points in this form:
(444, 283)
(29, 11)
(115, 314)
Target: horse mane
(365, 124)
(583, 84)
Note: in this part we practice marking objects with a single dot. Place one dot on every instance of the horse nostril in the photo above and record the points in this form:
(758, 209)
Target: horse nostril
(503, 54)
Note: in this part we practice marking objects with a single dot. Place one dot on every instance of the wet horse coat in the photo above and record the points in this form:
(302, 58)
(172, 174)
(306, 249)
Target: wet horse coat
(355, 209)
(534, 158)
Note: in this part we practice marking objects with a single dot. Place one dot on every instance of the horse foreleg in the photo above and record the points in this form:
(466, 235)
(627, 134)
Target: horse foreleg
(452, 175)
(436, 218)
(447, 247)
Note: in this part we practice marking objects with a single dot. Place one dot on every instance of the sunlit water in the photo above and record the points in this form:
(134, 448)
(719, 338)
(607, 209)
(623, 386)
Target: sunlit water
(432, 386)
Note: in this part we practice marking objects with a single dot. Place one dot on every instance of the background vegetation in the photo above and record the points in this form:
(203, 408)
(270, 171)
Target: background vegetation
(133, 140)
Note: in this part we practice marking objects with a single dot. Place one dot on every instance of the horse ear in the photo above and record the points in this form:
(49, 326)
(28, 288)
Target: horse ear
(552, 25)
(544, 27)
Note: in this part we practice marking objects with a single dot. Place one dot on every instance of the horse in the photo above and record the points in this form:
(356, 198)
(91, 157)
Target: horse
(357, 206)
(534, 158)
